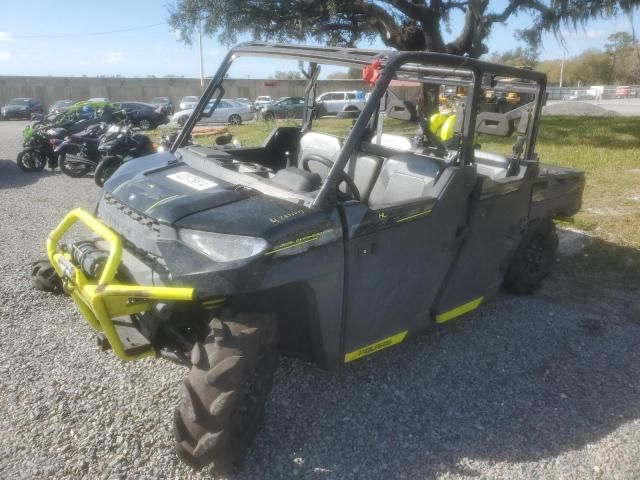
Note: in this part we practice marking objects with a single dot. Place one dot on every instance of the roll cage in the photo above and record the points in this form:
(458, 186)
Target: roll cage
(421, 67)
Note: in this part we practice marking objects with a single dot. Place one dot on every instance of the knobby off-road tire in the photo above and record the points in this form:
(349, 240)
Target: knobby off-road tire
(224, 395)
(533, 258)
(44, 277)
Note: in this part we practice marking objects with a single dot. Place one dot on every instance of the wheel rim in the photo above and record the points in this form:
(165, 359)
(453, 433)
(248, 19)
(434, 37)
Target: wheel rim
(33, 160)
(235, 119)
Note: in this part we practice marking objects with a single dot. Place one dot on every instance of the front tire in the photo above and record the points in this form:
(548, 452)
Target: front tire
(31, 161)
(105, 169)
(235, 119)
(224, 395)
(533, 258)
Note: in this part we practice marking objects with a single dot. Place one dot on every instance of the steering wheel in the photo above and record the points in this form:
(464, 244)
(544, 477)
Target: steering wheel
(355, 193)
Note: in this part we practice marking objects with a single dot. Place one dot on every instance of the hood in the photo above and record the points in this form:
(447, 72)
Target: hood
(171, 192)
(183, 197)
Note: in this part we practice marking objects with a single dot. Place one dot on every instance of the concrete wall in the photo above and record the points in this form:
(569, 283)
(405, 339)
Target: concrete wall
(50, 89)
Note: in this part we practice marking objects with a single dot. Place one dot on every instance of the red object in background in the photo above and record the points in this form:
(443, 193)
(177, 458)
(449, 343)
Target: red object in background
(371, 73)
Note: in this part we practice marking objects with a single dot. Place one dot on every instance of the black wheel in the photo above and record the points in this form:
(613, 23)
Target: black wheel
(269, 116)
(223, 399)
(144, 124)
(73, 169)
(105, 169)
(44, 277)
(235, 119)
(533, 258)
(31, 161)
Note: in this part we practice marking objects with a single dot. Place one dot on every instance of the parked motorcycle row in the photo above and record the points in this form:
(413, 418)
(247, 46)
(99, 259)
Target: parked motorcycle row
(90, 137)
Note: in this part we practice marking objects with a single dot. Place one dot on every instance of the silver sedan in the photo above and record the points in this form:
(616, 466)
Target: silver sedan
(228, 111)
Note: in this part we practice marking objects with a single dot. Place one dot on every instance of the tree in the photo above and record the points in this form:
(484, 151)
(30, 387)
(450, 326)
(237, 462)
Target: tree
(401, 24)
(619, 44)
(517, 57)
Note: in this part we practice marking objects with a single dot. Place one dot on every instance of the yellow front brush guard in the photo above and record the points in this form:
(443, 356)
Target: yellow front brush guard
(103, 300)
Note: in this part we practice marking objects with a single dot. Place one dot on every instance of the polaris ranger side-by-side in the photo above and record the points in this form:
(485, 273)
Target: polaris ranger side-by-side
(322, 246)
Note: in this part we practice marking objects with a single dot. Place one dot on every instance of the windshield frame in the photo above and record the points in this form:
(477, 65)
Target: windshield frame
(425, 67)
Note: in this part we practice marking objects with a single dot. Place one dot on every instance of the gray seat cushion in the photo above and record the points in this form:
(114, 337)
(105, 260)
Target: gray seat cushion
(405, 177)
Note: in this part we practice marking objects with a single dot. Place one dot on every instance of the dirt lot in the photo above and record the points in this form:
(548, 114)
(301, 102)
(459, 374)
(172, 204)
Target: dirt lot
(543, 386)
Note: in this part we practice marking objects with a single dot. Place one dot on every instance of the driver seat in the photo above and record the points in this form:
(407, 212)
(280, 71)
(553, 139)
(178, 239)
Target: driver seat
(362, 168)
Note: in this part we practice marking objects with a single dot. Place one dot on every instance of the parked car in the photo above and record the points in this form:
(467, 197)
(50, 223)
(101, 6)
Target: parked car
(229, 111)
(289, 107)
(20, 108)
(263, 101)
(60, 106)
(143, 115)
(246, 101)
(332, 103)
(164, 103)
(579, 95)
(189, 102)
(623, 91)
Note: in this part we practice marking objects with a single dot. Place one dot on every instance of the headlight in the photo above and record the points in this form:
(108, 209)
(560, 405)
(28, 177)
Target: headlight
(222, 247)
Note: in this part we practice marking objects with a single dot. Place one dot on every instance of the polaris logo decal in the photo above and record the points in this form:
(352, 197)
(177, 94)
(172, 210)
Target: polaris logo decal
(192, 181)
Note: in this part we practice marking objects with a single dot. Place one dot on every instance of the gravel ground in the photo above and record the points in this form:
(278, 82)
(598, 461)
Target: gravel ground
(545, 386)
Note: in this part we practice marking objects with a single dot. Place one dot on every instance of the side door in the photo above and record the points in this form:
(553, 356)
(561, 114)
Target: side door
(398, 254)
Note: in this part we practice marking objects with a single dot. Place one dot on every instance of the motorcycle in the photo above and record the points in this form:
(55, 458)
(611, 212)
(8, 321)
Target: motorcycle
(78, 154)
(39, 145)
(117, 147)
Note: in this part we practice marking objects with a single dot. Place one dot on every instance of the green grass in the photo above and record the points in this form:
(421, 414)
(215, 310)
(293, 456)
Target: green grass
(607, 149)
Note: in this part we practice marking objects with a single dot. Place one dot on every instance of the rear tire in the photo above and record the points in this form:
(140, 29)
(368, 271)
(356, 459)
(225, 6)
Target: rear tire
(73, 169)
(269, 116)
(44, 277)
(31, 161)
(533, 258)
(224, 395)
(235, 119)
(105, 169)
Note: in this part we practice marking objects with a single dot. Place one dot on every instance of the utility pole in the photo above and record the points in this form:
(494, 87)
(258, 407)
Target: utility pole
(201, 60)
(562, 66)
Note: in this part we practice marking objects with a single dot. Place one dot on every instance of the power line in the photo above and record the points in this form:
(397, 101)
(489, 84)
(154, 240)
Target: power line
(91, 34)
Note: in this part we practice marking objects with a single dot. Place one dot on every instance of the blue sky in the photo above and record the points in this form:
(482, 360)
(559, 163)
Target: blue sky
(157, 50)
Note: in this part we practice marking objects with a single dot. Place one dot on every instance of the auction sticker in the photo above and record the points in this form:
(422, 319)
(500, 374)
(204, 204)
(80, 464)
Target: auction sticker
(191, 180)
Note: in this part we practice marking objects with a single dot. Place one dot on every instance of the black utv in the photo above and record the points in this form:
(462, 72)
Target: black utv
(323, 246)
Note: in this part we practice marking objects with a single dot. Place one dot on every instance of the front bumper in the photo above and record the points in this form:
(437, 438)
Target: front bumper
(102, 301)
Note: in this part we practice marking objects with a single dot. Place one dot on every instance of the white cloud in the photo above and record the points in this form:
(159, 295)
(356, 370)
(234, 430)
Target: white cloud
(4, 56)
(114, 57)
(5, 37)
